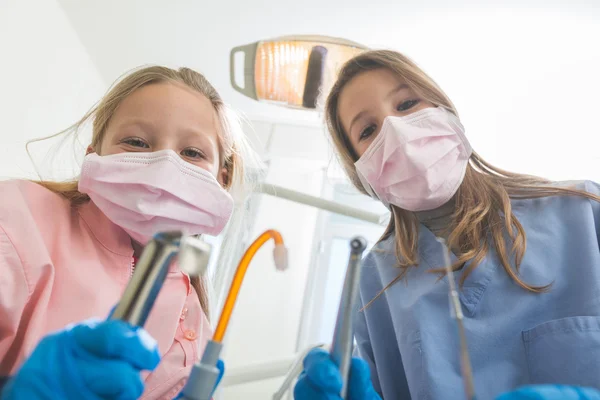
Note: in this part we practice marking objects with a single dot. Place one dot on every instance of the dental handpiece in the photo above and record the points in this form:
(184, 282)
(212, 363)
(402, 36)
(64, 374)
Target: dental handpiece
(151, 270)
(343, 336)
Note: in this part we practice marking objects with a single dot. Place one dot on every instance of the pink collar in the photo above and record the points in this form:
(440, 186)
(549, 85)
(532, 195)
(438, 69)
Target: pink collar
(110, 235)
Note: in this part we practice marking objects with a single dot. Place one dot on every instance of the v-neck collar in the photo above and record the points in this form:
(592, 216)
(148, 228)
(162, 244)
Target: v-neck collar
(110, 235)
(431, 256)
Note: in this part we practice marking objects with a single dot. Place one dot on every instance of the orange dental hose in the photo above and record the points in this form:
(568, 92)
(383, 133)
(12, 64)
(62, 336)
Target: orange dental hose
(239, 277)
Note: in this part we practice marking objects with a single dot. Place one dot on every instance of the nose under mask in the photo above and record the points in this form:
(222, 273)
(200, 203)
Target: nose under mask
(416, 162)
(147, 193)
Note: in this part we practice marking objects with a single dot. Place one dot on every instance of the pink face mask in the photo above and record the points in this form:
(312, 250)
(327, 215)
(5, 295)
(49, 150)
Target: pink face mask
(416, 162)
(147, 193)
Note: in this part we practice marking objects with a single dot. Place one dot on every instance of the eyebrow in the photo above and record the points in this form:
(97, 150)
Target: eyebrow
(136, 122)
(200, 137)
(193, 133)
(358, 116)
(399, 88)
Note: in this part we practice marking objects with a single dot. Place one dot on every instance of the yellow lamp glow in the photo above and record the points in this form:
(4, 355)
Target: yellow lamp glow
(292, 70)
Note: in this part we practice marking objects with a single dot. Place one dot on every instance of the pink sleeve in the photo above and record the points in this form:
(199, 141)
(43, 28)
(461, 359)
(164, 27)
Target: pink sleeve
(14, 294)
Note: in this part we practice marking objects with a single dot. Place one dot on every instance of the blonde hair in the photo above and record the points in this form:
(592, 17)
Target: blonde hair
(483, 212)
(103, 111)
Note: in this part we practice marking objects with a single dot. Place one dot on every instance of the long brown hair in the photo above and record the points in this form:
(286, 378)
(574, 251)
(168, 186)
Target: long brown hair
(103, 111)
(483, 212)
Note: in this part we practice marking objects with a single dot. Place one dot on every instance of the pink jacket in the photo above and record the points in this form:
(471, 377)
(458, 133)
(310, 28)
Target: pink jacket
(60, 265)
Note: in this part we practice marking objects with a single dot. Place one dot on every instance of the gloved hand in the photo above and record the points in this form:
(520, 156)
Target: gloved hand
(91, 360)
(221, 367)
(321, 379)
(551, 392)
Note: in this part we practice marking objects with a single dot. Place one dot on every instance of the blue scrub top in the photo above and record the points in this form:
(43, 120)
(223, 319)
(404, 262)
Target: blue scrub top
(515, 337)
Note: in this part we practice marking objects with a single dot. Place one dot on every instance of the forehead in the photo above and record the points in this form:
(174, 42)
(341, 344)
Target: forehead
(158, 101)
(365, 89)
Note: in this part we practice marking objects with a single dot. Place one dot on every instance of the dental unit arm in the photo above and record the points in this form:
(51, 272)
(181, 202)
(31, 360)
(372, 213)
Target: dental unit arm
(203, 377)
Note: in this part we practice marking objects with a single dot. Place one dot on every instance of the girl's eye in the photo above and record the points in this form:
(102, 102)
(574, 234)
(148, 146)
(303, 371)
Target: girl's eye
(193, 153)
(135, 142)
(407, 105)
(368, 131)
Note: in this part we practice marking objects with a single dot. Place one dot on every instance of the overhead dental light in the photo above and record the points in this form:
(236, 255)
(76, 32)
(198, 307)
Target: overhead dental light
(291, 71)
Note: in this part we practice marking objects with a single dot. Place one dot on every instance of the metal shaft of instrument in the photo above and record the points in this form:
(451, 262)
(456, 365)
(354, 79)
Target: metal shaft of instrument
(343, 337)
(147, 280)
(456, 308)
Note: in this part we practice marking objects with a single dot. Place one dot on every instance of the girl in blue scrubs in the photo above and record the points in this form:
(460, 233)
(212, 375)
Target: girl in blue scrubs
(525, 252)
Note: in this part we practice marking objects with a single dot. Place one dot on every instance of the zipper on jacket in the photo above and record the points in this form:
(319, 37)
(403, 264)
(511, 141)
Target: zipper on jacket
(133, 263)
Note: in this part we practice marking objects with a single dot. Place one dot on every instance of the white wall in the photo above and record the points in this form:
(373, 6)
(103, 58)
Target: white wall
(525, 82)
(47, 82)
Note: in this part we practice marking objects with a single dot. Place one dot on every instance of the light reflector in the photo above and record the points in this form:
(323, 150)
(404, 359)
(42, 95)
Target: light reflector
(293, 71)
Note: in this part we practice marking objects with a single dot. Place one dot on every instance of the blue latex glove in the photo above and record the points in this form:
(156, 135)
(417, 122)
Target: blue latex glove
(551, 392)
(91, 360)
(221, 367)
(321, 379)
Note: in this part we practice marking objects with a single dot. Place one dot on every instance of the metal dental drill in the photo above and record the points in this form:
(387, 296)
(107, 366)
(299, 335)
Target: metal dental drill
(193, 255)
(343, 336)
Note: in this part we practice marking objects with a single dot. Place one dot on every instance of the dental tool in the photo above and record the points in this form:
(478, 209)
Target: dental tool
(456, 313)
(205, 373)
(343, 336)
(151, 270)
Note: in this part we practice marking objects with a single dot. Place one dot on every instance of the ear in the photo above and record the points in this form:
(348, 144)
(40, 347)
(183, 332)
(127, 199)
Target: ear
(223, 177)
(89, 150)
